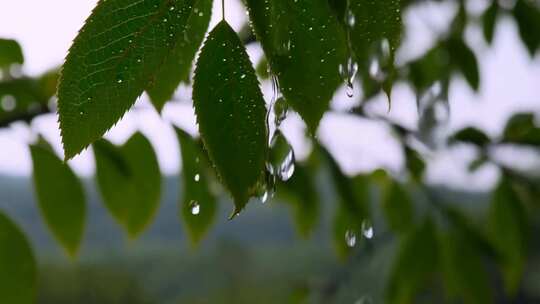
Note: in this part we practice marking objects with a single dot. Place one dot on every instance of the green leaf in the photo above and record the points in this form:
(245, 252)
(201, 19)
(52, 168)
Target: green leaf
(430, 68)
(301, 193)
(521, 129)
(471, 135)
(527, 15)
(414, 265)
(464, 60)
(507, 223)
(463, 271)
(178, 65)
(23, 96)
(489, 21)
(371, 23)
(415, 163)
(304, 45)
(17, 265)
(10, 53)
(129, 181)
(353, 195)
(198, 205)
(112, 61)
(60, 196)
(231, 113)
(398, 208)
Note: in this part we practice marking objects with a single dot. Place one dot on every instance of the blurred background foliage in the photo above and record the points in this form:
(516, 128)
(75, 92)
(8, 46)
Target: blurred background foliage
(397, 238)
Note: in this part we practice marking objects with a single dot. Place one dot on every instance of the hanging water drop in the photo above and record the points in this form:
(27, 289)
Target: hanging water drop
(280, 109)
(281, 157)
(197, 177)
(350, 238)
(350, 18)
(348, 71)
(195, 207)
(264, 197)
(367, 229)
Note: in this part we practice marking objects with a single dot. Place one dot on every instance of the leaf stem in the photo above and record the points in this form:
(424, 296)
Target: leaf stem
(223, 10)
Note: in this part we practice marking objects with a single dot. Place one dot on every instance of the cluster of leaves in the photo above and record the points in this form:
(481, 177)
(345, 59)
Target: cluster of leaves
(311, 47)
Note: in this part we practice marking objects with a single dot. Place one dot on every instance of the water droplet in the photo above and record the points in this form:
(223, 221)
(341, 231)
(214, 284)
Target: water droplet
(375, 70)
(280, 109)
(350, 238)
(264, 197)
(348, 71)
(434, 115)
(195, 207)
(281, 160)
(364, 300)
(350, 18)
(367, 229)
(197, 177)
(8, 103)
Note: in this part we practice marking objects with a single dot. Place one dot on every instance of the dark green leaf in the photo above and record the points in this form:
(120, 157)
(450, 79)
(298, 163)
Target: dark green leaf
(471, 135)
(20, 97)
(372, 24)
(521, 129)
(178, 65)
(60, 196)
(301, 193)
(304, 45)
(129, 181)
(463, 271)
(10, 53)
(415, 163)
(113, 60)
(198, 205)
(508, 231)
(430, 68)
(464, 60)
(231, 113)
(489, 20)
(415, 264)
(17, 265)
(398, 208)
(527, 15)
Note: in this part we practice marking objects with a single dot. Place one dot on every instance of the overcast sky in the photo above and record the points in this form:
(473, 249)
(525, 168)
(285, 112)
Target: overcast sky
(510, 81)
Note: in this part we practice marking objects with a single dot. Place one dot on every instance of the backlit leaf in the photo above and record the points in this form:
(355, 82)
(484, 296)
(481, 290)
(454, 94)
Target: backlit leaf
(60, 196)
(129, 181)
(198, 204)
(17, 265)
(231, 113)
(114, 58)
(304, 45)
